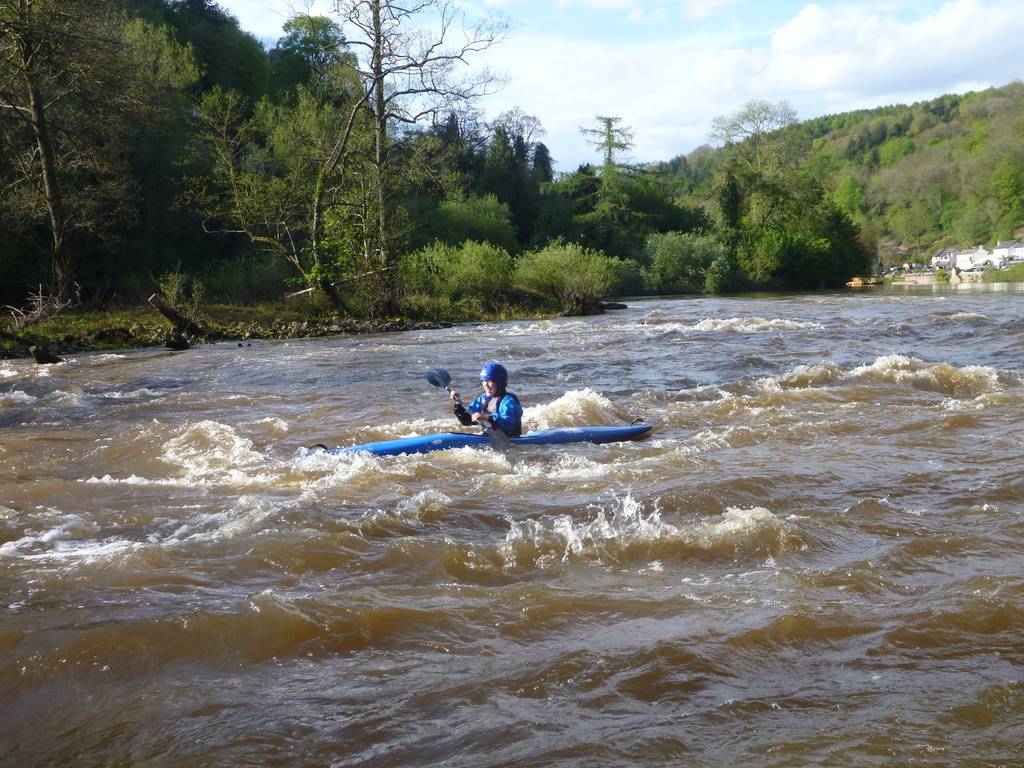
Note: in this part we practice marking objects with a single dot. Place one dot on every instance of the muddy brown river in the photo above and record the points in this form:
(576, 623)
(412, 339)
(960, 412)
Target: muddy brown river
(815, 559)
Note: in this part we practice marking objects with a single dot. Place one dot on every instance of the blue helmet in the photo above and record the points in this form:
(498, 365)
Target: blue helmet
(495, 372)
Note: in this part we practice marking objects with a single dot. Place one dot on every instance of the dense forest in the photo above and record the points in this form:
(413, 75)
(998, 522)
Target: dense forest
(914, 179)
(153, 143)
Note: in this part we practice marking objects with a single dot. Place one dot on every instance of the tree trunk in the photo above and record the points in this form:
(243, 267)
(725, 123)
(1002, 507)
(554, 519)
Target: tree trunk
(63, 268)
(380, 159)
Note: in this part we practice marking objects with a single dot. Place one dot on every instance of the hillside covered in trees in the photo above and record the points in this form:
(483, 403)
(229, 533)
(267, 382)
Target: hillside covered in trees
(153, 143)
(913, 178)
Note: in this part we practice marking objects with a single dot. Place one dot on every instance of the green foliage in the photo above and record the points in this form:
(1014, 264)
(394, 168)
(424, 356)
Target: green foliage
(483, 219)
(232, 59)
(182, 292)
(480, 272)
(848, 195)
(940, 172)
(679, 261)
(574, 278)
(311, 50)
(1012, 274)
(723, 274)
(894, 150)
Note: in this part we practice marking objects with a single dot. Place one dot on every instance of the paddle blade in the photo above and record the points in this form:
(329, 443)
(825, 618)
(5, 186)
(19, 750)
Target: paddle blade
(499, 440)
(438, 377)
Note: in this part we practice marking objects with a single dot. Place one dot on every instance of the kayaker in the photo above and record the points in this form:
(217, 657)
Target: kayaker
(496, 408)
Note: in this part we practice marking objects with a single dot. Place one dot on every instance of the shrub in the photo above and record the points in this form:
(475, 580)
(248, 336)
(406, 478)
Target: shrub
(678, 261)
(479, 270)
(571, 276)
(423, 271)
(722, 275)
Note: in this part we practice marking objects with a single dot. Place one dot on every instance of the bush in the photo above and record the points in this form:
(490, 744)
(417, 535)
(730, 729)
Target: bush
(678, 261)
(423, 271)
(479, 270)
(182, 292)
(573, 277)
(722, 275)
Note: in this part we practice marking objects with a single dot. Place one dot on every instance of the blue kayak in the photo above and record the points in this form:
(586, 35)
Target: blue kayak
(444, 440)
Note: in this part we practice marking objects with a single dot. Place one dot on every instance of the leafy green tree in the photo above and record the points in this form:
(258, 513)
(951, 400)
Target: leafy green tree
(483, 219)
(848, 196)
(309, 53)
(678, 261)
(501, 174)
(894, 150)
(230, 57)
(1008, 184)
(280, 177)
(543, 165)
(910, 223)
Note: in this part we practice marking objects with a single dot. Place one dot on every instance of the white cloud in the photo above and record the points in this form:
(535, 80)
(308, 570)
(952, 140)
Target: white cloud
(701, 9)
(822, 60)
(264, 18)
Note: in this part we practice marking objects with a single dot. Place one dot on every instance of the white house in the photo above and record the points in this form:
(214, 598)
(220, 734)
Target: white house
(976, 259)
(1007, 250)
(944, 258)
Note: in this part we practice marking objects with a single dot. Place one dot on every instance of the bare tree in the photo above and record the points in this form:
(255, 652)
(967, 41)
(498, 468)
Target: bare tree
(409, 59)
(752, 129)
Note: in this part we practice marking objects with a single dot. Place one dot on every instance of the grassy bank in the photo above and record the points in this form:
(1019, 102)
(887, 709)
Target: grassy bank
(1012, 274)
(86, 330)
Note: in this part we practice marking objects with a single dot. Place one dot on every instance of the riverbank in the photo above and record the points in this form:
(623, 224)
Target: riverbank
(93, 330)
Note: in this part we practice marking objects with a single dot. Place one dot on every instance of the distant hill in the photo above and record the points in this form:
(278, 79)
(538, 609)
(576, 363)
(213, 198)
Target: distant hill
(945, 172)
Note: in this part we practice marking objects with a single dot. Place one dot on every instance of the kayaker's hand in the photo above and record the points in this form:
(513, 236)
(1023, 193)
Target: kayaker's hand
(454, 395)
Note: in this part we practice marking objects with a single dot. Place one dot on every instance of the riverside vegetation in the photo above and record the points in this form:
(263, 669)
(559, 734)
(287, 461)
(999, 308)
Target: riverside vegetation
(152, 145)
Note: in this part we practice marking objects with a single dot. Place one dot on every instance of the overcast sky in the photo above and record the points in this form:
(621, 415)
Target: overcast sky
(669, 67)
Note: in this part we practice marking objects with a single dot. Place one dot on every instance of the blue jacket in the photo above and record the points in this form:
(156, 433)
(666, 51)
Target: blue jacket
(508, 417)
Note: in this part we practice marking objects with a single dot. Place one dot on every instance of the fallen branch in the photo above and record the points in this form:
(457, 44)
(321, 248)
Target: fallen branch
(42, 306)
(39, 352)
(338, 283)
(181, 323)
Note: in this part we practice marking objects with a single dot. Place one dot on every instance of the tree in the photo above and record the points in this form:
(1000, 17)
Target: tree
(506, 175)
(756, 132)
(480, 219)
(610, 139)
(408, 74)
(280, 177)
(308, 53)
(70, 92)
(679, 261)
(543, 166)
(231, 57)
